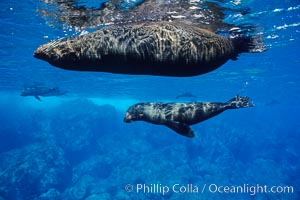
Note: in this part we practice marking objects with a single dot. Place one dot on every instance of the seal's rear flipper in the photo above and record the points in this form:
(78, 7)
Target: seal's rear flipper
(239, 102)
(251, 44)
(180, 128)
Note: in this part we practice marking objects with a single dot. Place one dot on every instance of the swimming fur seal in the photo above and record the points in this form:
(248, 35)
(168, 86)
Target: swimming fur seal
(153, 48)
(37, 91)
(179, 116)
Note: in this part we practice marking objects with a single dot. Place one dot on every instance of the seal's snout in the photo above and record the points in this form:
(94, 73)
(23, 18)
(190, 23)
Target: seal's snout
(47, 52)
(127, 118)
(40, 54)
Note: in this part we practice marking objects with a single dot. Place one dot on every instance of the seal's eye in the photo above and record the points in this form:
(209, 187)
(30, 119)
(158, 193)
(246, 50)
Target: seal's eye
(55, 57)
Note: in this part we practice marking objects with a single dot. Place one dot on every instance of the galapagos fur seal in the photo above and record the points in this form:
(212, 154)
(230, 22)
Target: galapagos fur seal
(179, 116)
(39, 90)
(153, 48)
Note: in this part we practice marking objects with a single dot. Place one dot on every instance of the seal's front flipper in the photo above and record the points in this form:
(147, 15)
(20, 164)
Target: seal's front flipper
(38, 98)
(180, 128)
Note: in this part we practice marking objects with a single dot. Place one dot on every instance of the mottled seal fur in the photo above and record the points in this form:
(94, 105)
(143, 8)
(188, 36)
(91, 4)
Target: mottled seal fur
(179, 116)
(154, 48)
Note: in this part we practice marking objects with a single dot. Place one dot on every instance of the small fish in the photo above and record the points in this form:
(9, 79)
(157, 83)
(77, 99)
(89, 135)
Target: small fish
(186, 95)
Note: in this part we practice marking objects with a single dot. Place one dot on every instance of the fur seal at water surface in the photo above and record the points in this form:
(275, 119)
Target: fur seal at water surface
(153, 48)
(179, 116)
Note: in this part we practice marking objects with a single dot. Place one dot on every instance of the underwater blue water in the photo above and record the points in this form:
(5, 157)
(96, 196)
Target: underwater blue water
(77, 147)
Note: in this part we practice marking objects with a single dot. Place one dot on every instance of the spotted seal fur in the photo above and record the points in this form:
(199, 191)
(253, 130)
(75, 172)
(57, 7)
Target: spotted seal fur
(154, 48)
(179, 116)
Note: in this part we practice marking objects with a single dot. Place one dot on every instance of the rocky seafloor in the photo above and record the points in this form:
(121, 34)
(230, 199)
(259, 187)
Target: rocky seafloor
(78, 150)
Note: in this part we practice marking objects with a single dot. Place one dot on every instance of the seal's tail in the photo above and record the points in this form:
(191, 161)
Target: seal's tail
(239, 102)
(251, 44)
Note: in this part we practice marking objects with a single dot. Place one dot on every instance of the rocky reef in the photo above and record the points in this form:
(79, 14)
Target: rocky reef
(83, 151)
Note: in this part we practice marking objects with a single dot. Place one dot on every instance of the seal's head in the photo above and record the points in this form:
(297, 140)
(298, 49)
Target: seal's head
(134, 113)
(29, 91)
(60, 53)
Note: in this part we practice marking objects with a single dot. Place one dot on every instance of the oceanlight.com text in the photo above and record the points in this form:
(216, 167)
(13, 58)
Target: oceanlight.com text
(250, 189)
(163, 189)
